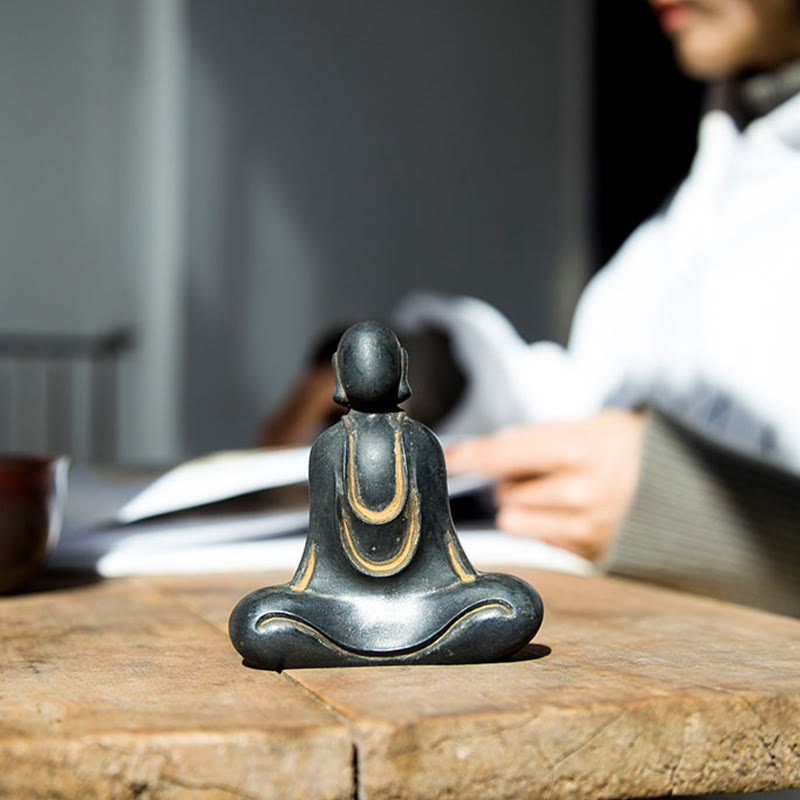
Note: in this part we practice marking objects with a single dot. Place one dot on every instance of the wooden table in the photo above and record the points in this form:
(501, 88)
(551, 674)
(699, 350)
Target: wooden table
(130, 689)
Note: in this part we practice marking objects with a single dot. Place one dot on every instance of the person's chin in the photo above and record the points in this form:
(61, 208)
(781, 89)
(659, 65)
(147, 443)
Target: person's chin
(701, 60)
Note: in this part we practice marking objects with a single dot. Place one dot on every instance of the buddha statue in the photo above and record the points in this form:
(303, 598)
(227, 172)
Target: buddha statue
(383, 578)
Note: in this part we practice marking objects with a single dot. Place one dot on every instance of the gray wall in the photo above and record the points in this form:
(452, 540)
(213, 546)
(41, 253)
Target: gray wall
(91, 221)
(60, 195)
(232, 178)
(344, 153)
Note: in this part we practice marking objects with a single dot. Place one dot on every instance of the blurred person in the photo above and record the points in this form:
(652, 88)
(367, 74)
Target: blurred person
(664, 441)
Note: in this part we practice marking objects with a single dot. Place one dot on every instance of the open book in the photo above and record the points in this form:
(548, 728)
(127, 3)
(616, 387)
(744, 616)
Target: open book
(236, 510)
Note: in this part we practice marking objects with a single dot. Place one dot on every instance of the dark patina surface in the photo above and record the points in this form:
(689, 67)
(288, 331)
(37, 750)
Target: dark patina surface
(383, 579)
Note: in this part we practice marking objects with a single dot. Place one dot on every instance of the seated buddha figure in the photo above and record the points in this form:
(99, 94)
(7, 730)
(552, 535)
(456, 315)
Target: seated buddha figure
(383, 578)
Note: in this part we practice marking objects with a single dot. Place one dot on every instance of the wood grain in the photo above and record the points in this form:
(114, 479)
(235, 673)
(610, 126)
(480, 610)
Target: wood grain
(117, 691)
(130, 689)
(645, 692)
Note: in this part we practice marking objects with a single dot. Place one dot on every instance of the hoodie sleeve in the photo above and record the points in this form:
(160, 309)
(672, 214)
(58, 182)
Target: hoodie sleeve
(609, 358)
(708, 520)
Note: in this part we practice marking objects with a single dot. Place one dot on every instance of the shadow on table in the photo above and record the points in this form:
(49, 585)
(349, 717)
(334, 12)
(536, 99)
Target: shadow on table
(530, 652)
(58, 581)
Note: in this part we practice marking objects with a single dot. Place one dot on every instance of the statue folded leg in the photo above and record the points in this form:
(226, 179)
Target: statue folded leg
(278, 628)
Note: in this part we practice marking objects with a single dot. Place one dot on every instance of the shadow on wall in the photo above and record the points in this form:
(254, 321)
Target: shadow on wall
(343, 154)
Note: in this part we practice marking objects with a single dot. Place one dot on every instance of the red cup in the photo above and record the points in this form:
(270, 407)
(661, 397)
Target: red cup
(33, 491)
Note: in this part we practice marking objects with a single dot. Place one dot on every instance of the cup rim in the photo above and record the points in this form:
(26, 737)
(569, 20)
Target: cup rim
(28, 462)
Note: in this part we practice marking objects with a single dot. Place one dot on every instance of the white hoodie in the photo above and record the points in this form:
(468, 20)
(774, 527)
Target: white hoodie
(698, 313)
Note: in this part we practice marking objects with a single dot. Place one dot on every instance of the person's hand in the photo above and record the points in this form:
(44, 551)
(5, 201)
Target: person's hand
(308, 406)
(566, 483)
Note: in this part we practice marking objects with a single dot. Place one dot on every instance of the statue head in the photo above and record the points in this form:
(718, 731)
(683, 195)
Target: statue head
(371, 368)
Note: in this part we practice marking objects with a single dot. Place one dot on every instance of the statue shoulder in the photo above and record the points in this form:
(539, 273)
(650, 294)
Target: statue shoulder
(328, 444)
(423, 437)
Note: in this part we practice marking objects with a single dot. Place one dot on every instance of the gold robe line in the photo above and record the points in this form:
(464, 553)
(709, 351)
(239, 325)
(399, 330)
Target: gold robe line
(400, 559)
(305, 578)
(382, 515)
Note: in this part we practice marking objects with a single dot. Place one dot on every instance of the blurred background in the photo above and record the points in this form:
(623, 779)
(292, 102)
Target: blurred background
(192, 192)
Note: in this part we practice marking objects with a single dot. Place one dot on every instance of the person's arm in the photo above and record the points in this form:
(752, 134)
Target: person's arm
(609, 360)
(707, 520)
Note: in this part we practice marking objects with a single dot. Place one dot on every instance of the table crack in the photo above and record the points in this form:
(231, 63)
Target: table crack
(356, 793)
(588, 740)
